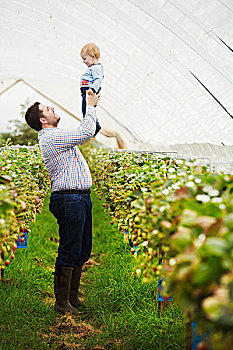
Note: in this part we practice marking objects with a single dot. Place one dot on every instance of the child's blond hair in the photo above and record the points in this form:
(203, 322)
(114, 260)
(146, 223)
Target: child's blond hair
(91, 49)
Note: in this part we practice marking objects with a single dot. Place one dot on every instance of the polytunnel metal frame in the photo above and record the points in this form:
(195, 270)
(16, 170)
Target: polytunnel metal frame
(214, 167)
(131, 132)
(187, 45)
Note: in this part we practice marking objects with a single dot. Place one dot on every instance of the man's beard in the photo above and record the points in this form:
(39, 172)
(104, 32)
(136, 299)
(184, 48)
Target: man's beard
(55, 122)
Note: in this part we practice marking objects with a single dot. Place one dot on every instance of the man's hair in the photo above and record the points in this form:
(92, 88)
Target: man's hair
(91, 49)
(33, 115)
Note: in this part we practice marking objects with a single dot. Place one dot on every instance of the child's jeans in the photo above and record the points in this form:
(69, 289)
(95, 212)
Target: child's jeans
(83, 92)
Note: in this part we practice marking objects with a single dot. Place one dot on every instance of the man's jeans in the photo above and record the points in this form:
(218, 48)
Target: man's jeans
(74, 216)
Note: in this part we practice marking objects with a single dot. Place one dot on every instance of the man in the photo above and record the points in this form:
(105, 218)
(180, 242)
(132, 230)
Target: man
(70, 201)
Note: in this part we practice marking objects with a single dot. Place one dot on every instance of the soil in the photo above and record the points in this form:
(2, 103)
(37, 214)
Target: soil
(69, 330)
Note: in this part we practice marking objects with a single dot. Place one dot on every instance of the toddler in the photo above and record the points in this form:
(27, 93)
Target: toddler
(92, 78)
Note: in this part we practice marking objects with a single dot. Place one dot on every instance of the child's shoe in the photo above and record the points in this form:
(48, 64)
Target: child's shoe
(98, 128)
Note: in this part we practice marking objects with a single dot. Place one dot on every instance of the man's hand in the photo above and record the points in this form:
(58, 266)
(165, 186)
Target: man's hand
(91, 98)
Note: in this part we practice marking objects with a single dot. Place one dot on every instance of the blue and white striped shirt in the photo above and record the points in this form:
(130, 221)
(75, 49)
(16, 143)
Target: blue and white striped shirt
(93, 77)
(65, 163)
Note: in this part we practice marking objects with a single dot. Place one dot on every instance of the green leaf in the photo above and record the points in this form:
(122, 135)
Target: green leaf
(215, 246)
(139, 204)
(182, 238)
(204, 274)
(189, 217)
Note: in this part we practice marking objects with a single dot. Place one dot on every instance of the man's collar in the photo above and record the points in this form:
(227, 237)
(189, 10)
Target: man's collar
(47, 129)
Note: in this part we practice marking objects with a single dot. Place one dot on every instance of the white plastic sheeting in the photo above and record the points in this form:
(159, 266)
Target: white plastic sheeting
(168, 64)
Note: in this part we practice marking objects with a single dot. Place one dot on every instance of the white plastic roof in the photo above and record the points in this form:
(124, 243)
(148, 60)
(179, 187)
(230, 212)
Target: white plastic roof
(168, 63)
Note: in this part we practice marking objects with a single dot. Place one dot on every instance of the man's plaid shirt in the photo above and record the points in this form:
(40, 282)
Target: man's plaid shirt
(65, 163)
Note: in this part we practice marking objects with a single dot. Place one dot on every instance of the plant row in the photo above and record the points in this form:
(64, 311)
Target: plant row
(23, 185)
(179, 220)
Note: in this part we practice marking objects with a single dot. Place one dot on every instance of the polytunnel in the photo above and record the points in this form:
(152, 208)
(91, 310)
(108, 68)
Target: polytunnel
(168, 82)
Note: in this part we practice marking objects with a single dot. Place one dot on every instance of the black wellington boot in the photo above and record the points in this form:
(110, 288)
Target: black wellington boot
(62, 279)
(74, 287)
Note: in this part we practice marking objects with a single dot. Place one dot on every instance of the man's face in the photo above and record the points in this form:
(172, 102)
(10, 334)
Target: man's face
(50, 117)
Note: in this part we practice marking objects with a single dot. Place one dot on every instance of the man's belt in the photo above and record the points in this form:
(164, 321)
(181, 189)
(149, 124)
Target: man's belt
(73, 191)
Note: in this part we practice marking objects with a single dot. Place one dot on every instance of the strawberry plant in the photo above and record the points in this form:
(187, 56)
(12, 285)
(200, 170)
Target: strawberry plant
(178, 217)
(23, 185)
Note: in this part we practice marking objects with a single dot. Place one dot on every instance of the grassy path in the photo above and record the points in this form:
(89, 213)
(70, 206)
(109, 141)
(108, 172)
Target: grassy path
(122, 311)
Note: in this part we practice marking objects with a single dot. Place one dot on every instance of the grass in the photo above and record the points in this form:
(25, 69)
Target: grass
(122, 311)
(26, 291)
(118, 301)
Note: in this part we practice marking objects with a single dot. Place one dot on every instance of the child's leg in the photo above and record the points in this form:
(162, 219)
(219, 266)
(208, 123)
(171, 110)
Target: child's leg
(98, 127)
(84, 105)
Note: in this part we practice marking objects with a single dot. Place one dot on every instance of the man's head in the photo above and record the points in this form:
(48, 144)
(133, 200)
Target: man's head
(39, 116)
(90, 54)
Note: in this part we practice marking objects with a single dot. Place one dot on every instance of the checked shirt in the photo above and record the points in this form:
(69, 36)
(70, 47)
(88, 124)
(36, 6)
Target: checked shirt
(65, 163)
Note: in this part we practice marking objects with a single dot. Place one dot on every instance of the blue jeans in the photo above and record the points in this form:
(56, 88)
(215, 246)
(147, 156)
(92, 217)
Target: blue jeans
(74, 216)
(84, 107)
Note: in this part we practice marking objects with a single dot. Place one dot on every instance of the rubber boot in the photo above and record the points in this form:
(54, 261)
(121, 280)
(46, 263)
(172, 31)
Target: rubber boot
(62, 279)
(98, 128)
(74, 287)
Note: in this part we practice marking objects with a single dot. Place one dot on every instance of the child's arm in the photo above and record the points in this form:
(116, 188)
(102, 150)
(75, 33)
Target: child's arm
(97, 73)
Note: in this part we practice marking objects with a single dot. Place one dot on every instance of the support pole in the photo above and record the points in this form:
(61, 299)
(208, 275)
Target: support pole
(2, 270)
(188, 335)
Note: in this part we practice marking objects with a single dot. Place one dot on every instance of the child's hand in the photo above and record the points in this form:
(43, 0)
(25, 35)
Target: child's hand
(91, 98)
